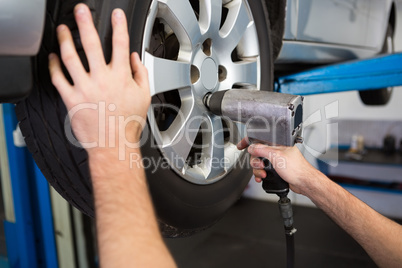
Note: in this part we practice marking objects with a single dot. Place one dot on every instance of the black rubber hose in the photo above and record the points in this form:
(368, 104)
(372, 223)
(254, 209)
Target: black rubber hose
(290, 250)
(285, 208)
(286, 211)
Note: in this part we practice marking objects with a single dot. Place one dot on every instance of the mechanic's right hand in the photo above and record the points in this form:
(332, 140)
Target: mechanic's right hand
(121, 90)
(288, 162)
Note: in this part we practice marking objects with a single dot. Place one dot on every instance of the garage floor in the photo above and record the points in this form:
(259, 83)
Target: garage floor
(251, 235)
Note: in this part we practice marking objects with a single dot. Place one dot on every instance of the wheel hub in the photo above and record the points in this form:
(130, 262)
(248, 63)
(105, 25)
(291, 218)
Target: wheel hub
(209, 74)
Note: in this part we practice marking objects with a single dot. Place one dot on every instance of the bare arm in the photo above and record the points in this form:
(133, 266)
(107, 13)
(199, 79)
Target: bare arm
(378, 235)
(127, 229)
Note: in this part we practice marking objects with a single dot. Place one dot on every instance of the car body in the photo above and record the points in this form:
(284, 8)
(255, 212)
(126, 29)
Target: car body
(351, 29)
(21, 29)
(325, 31)
(21, 26)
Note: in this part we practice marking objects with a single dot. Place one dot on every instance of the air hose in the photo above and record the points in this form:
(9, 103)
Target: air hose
(274, 184)
(285, 208)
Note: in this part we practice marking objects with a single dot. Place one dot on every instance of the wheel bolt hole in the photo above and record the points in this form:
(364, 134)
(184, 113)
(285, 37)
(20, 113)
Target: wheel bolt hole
(206, 47)
(222, 73)
(195, 74)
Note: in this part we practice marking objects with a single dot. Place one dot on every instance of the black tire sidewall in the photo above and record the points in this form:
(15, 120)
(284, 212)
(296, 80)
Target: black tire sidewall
(190, 207)
(383, 95)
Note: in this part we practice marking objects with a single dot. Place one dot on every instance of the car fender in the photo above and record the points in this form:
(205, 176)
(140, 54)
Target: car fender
(21, 26)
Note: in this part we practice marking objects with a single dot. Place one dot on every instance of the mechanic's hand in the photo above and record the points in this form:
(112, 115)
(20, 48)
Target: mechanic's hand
(107, 91)
(288, 162)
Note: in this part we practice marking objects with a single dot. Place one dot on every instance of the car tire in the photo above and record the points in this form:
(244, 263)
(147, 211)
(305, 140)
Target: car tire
(383, 95)
(183, 205)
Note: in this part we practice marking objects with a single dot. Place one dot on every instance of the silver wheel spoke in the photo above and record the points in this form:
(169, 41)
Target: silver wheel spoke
(241, 73)
(166, 75)
(199, 147)
(240, 133)
(248, 45)
(214, 153)
(234, 27)
(181, 18)
(210, 15)
(236, 132)
(180, 136)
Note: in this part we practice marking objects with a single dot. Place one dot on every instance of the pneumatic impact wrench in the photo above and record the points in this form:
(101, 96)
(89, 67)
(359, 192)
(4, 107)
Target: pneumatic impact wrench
(271, 118)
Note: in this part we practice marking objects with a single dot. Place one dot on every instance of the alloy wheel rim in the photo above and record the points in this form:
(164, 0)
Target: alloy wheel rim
(191, 48)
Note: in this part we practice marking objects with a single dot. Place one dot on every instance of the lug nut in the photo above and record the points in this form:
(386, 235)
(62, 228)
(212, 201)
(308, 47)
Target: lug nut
(299, 139)
(291, 106)
(206, 99)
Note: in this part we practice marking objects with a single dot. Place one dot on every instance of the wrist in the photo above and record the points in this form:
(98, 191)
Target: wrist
(312, 183)
(105, 162)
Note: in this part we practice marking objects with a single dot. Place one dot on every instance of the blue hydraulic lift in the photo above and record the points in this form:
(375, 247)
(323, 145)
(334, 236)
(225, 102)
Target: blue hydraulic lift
(30, 235)
(30, 239)
(380, 72)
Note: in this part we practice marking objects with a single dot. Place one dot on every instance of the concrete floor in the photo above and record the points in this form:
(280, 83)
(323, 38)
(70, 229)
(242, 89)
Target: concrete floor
(251, 235)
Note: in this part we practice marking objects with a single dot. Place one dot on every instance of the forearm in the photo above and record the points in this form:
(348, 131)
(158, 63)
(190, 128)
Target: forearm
(379, 236)
(121, 189)
(128, 234)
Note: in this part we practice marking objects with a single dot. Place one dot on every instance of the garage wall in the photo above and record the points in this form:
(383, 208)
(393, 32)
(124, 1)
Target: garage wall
(348, 107)
(322, 117)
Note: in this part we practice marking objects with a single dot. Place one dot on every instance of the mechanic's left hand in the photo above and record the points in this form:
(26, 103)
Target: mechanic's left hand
(116, 84)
